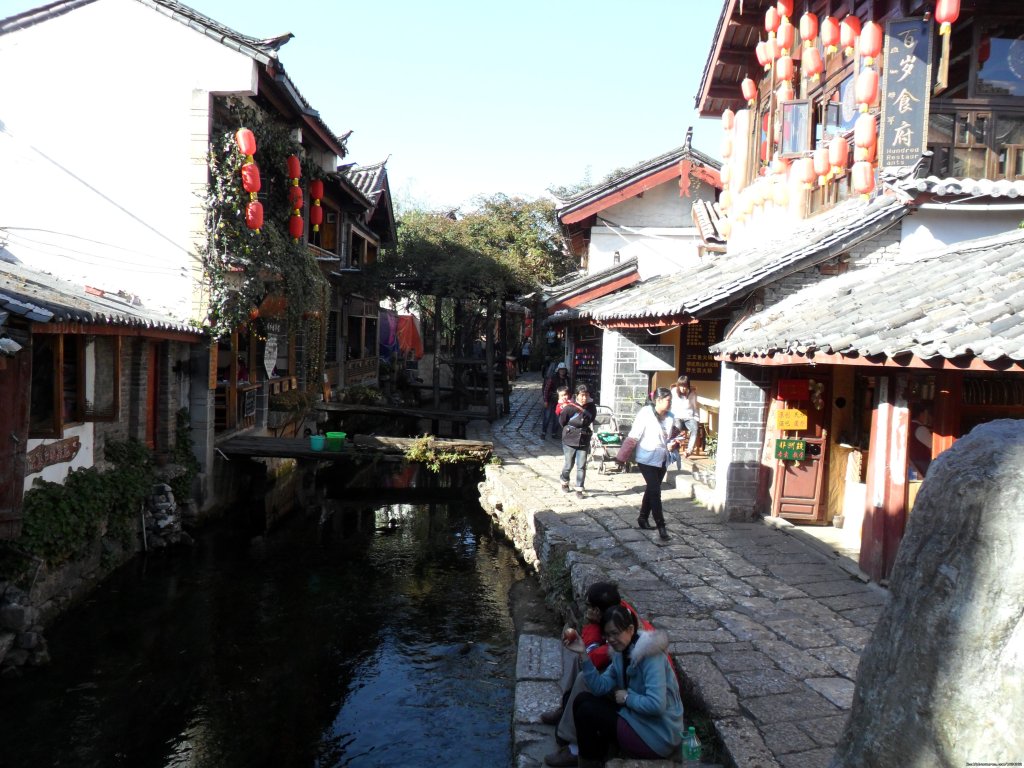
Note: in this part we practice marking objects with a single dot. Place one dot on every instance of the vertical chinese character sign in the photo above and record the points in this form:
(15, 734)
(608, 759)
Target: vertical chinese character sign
(906, 88)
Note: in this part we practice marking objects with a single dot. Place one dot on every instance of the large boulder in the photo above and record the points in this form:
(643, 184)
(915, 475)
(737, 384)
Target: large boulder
(941, 682)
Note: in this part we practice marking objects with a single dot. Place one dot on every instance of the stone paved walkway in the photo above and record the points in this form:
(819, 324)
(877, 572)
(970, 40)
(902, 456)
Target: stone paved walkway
(765, 629)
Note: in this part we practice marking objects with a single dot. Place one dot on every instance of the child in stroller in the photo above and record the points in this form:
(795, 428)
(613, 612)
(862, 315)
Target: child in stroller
(605, 441)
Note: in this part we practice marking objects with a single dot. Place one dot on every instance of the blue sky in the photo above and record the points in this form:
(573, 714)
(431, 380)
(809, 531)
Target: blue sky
(483, 97)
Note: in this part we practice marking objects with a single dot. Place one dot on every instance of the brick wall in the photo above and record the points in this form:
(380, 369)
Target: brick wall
(629, 384)
(744, 399)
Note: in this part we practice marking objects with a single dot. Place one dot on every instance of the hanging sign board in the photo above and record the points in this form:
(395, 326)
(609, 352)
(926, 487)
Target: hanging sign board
(789, 449)
(906, 84)
(790, 419)
(794, 389)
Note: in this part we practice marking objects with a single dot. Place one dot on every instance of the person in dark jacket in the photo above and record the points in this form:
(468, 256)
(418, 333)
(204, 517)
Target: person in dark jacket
(576, 417)
(558, 378)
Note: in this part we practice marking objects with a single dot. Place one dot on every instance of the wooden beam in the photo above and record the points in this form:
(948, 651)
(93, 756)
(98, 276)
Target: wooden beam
(737, 57)
(878, 361)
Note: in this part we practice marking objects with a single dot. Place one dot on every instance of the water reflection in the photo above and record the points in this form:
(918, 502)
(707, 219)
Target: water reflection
(338, 640)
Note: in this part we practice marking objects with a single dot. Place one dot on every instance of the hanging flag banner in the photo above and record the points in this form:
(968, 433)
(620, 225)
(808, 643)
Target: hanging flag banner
(906, 88)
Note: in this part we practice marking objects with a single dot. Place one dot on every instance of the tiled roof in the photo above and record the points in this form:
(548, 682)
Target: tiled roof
(967, 299)
(973, 187)
(637, 172)
(42, 298)
(720, 279)
(566, 290)
(368, 179)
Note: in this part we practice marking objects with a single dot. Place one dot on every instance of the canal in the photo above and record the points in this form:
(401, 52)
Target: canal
(353, 634)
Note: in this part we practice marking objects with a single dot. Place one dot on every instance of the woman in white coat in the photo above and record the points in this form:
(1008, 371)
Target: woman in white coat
(654, 431)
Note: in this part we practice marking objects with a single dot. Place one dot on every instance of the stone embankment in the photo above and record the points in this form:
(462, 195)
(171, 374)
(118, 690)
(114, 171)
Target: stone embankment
(765, 630)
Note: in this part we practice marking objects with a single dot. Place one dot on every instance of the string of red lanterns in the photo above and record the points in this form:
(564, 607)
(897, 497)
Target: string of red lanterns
(295, 225)
(245, 140)
(316, 213)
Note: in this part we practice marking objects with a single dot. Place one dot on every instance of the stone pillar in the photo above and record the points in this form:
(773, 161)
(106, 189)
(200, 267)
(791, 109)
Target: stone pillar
(741, 434)
(941, 682)
(200, 408)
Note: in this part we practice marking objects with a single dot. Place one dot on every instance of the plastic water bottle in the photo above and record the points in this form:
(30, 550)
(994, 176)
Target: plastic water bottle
(691, 747)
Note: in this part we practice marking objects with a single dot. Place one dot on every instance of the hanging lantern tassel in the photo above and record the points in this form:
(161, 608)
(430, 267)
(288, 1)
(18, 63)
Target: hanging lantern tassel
(316, 213)
(830, 35)
(849, 31)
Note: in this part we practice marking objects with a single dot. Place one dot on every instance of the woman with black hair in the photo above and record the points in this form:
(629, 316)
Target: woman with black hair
(654, 432)
(635, 702)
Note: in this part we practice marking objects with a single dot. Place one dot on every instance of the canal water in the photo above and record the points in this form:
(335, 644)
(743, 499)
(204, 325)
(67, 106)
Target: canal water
(354, 634)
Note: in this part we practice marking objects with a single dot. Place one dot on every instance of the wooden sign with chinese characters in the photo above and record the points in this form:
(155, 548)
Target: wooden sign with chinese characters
(59, 452)
(212, 383)
(695, 360)
(790, 419)
(906, 84)
(789, 449)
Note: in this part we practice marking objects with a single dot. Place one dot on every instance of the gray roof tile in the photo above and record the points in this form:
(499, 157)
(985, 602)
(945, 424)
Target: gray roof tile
(40, 297)
(718, 280)
(964, 300)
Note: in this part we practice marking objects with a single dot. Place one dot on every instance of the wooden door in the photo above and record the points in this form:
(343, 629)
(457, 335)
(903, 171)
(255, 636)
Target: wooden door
(800, 486)
(14, 390)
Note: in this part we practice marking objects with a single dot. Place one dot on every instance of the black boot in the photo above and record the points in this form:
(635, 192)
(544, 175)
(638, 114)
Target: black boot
(662, 532)
(642, 523)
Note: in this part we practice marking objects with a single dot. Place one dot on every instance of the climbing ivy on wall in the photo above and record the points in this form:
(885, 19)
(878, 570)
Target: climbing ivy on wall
(241, 265)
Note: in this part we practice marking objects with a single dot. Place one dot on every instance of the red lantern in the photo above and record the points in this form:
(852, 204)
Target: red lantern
(728, 119)
(946, 13)
(830, 35)
(864, 154)
(251, 177)
(785, 8)
(725, 200)
(254, 215)
(811, 65)
(984, 50)
(838, 154)
(808, 29)
(294, 167)
(805, 171)
(316, 189)
(316, 216)
(771, 20)
(862, 178)
(866, 90)
(849, 31)
(726, 148)
(762, 55)
(749, 89)
(295, 227)
(785, 34)
(785, 91)
(246, 141)
(725, 174)
(822, 167)
(771, 50)
(295, 198)
(784, 68)
(870, 42)
(865, 132)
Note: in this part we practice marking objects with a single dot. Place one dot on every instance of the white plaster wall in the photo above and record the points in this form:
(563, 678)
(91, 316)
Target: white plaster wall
(102, 147)
(657, 229)
(56, 473)
(929, 229)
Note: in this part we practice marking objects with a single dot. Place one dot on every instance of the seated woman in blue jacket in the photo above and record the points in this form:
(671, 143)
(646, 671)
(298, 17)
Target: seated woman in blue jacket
(634, 703)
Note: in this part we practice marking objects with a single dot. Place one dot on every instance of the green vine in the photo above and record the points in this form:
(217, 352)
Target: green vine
(243, 266)
(62, 520)
(181, 485)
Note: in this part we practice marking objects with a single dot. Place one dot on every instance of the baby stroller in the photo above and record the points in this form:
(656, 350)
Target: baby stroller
(605, 441)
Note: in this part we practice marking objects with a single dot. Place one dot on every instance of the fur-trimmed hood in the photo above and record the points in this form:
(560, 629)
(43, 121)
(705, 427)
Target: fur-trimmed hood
(649, 643)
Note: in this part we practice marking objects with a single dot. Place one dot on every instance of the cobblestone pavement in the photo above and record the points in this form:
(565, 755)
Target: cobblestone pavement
(765, 629)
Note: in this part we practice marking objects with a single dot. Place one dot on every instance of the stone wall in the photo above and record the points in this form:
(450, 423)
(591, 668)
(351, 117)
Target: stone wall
(744, 398)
